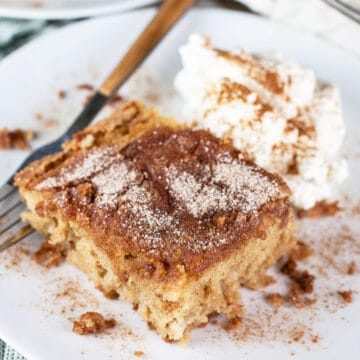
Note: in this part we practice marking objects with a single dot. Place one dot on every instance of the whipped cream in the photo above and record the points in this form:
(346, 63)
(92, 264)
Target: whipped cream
(278, 112)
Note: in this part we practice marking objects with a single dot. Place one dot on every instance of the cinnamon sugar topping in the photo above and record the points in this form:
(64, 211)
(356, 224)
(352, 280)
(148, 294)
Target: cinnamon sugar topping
(269, 78)
(186, 183)
(82, 167)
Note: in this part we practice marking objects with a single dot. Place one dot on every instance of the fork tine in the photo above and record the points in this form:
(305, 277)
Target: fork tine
(11, 217)
(5, 190)
(22, 230)
(9, 202)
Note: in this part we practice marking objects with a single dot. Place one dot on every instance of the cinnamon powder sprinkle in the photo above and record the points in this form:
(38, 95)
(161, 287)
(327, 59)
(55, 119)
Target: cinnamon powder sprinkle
(275, 299)
(92, 323)
(85, 86)
(321, 209)
(87, 99)
(346, 295)
(15, 139)
(297, 335)
(233, 324)
(315, 339)
(114, 101)
(48, 256)
(62, 94)
(138, 353)
(269, 78)
(351, 269)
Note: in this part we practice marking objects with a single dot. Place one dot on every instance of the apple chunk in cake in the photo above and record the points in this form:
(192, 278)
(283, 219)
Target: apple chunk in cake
(171, 219)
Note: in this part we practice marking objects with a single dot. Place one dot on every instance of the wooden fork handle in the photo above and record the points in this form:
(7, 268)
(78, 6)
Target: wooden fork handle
(169, 12)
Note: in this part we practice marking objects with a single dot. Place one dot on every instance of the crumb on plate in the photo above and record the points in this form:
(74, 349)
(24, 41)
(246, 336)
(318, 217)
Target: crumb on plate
(92, 323)
(15, 139)
(320, 209)
(346, 295)
(48, 255)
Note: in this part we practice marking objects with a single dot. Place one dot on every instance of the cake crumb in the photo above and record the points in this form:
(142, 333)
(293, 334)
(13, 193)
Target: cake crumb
(303, 279)
(87, 99)
(309, 302)
(315, 339)
(351, 268)
(15, 139)
(85, 86)
(346, 295)
(109, 294)
(48, 256)
(301, 252)
(233, 324)
(138, 353)
(114, 101)
(92, 323)
(320, 209)
(62, 94)
(289, 268)
(39, 116)
(275, 299)
(302, 282)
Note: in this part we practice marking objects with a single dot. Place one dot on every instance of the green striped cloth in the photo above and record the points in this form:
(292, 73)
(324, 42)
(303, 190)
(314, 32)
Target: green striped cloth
(14, 32)
(8, 353)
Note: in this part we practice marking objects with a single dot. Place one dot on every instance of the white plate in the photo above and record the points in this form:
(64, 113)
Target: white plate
(66, 9)
(31, 316)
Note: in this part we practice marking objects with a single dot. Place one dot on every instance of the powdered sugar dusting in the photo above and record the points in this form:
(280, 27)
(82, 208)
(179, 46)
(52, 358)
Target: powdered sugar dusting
(166, 203)
(233, 185)
(112, 182)
(138, 200)
(95, 161)
(249, 188)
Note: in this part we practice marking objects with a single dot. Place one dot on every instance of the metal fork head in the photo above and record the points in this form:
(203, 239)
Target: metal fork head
(12, 229)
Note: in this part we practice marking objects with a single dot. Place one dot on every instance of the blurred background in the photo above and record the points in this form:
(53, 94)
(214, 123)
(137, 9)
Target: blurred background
(337, 21)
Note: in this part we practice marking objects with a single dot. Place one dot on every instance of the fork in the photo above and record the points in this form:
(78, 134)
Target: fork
(346, 9)
(12, 229)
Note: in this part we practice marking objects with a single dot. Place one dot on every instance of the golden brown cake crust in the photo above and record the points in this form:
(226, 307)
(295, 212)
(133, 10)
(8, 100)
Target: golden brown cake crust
(167, 196)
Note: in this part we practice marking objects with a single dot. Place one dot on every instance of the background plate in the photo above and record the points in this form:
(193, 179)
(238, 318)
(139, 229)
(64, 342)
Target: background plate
(66, 9)
(36, 306)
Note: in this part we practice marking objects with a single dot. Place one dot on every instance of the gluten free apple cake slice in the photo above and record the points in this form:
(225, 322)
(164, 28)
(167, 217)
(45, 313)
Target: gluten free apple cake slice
(171, 219)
